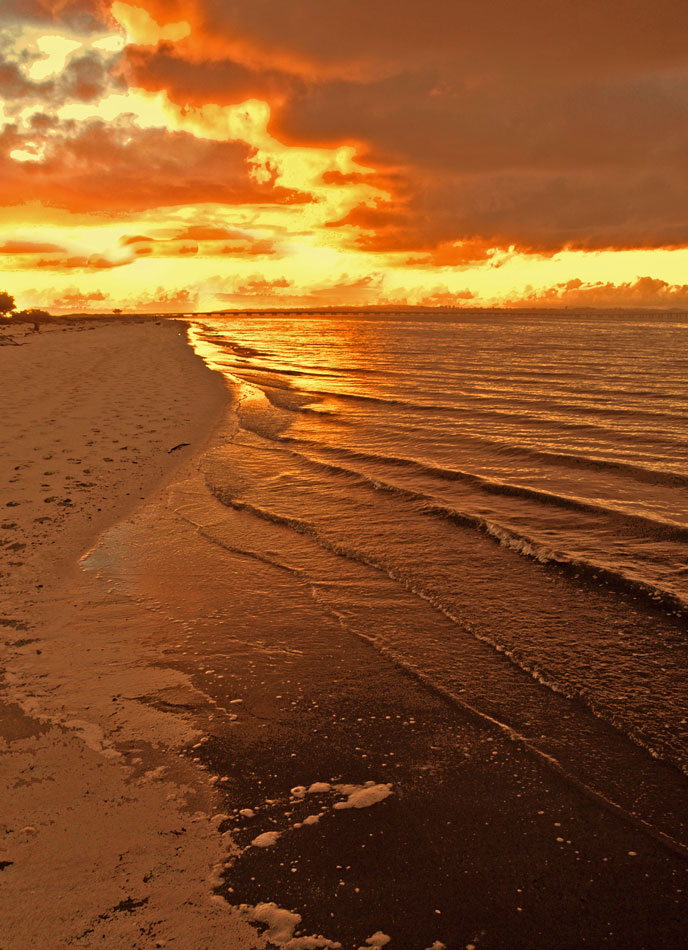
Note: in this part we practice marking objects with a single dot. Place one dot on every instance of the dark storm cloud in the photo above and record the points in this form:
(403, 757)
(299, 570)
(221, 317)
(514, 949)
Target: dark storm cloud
(542, 125)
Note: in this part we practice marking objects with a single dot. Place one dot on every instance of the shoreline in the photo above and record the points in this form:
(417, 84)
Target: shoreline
(236, 706)
(90, 846)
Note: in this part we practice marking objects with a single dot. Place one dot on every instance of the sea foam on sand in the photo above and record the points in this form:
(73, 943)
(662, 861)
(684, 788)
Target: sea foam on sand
(363, 796)
(281, 925)
(357, 796)
(267, 839)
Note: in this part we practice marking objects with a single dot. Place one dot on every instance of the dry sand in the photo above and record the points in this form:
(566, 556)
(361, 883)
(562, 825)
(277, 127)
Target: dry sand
(106, 836)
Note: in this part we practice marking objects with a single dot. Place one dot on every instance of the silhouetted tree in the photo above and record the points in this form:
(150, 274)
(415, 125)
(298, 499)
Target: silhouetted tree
(33, 313)
(7, 303)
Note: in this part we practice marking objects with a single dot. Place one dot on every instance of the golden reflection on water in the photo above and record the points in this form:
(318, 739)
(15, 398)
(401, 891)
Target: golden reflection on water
(351, 340)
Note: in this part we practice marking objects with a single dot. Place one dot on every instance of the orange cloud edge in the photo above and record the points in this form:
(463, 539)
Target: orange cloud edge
(393, 244)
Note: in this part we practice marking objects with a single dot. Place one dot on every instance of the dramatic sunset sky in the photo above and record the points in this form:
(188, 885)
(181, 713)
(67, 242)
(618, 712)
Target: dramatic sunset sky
(202, 154)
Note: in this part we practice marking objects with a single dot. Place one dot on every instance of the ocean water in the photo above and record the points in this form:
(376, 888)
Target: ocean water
(496, 503)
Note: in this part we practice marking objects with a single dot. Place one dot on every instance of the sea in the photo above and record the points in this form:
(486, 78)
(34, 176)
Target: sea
(496, 502)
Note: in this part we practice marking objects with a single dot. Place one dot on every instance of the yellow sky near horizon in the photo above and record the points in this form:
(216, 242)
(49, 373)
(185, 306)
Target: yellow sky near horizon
(137, 173)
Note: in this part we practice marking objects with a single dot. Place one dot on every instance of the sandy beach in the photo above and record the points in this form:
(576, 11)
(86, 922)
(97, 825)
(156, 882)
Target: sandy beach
(343, 475)
(92, 851)
(199, 754)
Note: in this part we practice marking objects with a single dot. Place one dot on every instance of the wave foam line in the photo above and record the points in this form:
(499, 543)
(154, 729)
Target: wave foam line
(411, 669)
(518, 542)
(575, 566)
(664, 529)
(521, 412)
(304, 528)
(648, 474)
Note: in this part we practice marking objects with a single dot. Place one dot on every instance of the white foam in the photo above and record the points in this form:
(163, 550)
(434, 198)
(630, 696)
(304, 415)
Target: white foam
(318, 788)
(281, 925)
(363, 796)
(267, 840)
(378, 939)
(525, 546)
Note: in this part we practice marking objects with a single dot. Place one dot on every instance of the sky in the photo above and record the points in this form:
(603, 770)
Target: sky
(181, 155)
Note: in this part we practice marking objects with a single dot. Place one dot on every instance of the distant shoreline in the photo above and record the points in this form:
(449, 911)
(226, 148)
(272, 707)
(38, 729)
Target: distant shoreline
(382, 311)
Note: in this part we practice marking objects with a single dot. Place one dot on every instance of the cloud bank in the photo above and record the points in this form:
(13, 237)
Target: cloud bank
(421, 144)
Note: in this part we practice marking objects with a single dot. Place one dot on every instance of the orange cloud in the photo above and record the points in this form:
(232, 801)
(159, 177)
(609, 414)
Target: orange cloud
(562, 128)
(203, 232)
(74, 300)
(277, 293)
(79, 262)
(646, 292)
(235, 243)
(445, 298)
(454, 254)
(164, 301)
(212, 239)
(351, 138)
(141, 27)
(152, 167)
(356, 37)
(134, 239)
(71, 300)
(259, 286)
(86, 15)
(28, 247)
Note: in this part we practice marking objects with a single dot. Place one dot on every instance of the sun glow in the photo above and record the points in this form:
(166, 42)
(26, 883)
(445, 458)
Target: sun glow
(140, 27)
(121, 185)
(55, 51)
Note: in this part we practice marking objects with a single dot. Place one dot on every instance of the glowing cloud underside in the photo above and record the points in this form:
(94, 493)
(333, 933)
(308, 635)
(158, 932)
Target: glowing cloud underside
(197, 155)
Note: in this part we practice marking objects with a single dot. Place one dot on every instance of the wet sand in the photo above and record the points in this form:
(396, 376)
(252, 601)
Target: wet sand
(187, 726)
(478, 843)
(92, 851)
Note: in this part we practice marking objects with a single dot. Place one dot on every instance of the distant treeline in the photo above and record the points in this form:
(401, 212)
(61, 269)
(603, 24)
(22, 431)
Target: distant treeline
(8, 310)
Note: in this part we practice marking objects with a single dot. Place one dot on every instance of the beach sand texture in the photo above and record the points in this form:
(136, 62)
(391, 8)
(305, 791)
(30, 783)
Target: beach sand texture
(92, 849)
(187, 729)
